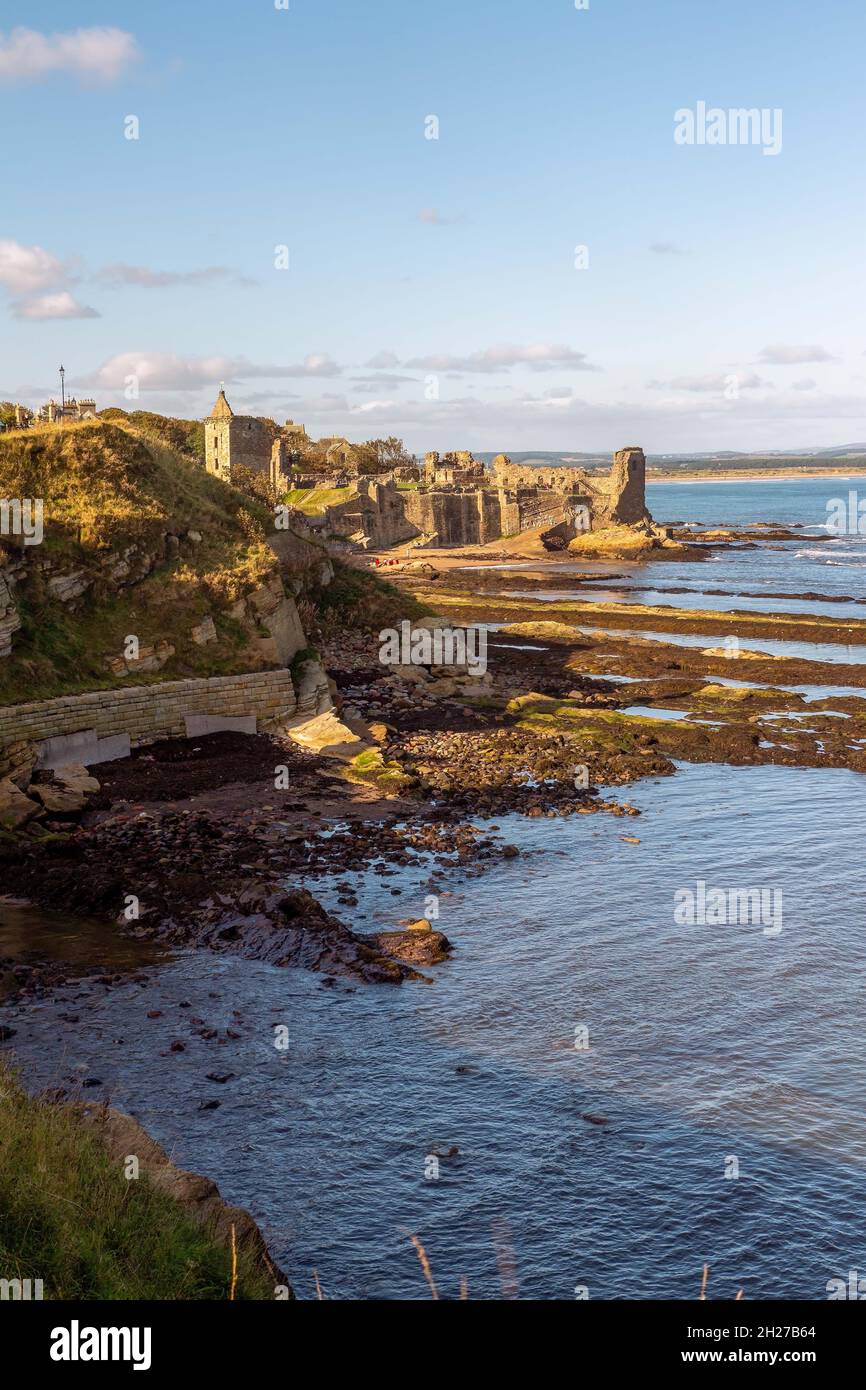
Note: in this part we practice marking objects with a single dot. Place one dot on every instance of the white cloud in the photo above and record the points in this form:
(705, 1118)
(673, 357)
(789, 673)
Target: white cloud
(383, 359)
(786, 355)
(666, 248)
(662, 424)
(59, 305)
(167, 371)
(315, 364)
(148, 279)
(27, 269)
(98, 54)
(161, 371)
(539, 357)
(717, 381)
(371, 407)
(549, 401)
(373, 380)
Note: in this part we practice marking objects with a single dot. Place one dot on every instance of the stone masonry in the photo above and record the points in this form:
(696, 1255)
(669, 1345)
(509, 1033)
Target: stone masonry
(148, 712)
(242, 441)
(462, 503)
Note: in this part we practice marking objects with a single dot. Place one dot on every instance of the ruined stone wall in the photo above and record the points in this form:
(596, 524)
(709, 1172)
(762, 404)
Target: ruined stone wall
(456, 518)
(250, 444)
(627, 489)
(617, 499)
(148, 712)
(563, 478)
(509, 511)
(525, 497)
(389, 516)
(378, 510)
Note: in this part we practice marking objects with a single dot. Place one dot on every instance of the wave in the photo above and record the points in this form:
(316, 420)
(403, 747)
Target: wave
(832, 558)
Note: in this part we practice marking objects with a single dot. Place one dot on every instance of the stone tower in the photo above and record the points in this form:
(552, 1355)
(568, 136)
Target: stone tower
(234, 441)
(628, 487)
(218, 438)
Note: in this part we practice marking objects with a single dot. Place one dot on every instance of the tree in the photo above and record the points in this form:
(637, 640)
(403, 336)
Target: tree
(385, 454)
(257, 485)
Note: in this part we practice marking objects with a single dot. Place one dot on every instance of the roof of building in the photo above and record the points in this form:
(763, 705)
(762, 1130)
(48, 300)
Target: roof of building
(222, 410)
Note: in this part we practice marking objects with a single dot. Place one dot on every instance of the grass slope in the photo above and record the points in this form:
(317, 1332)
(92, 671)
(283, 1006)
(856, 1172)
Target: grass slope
(107, 488)
(314, 500)
(70, 1217)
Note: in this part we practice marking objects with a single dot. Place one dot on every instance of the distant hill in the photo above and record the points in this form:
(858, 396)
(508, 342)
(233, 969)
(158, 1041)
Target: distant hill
(729, 460)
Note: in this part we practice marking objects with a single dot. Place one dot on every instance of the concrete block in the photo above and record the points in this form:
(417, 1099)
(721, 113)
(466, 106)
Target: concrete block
(107, 749)
(67, 748)
(199, 724)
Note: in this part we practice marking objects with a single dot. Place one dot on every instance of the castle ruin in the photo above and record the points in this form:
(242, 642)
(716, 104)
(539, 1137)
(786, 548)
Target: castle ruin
(234, 442)
(460, 502)
(453, 500)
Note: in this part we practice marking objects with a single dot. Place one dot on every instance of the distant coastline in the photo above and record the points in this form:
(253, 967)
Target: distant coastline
(752, 475)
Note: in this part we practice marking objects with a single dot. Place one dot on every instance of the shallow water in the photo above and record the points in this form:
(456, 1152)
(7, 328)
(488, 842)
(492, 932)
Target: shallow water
(747, 603)
(807, 651)
(77, 941)
(655, 712)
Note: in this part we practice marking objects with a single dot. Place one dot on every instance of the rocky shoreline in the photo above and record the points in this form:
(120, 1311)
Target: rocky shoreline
(214, 857)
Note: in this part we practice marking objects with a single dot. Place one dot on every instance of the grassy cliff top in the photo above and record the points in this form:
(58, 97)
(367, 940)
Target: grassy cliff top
(112, 495)
(102, 481)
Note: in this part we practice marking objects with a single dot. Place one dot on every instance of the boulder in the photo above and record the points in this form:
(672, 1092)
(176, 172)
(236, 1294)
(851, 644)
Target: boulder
(67, 587)
(321, 731)
(416, 674)
(149, 659)
(312, 689)
(624, 541)
(204, 632)
(75, 777)
(442, 688)
(68, 793)
(418, 944)
(274, 610)
(16, 809)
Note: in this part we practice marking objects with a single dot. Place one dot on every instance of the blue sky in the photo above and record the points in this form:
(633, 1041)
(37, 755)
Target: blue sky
(432, 290)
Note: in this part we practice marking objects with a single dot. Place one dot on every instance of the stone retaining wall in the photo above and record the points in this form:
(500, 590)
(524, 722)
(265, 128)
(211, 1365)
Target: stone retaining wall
(147, 712)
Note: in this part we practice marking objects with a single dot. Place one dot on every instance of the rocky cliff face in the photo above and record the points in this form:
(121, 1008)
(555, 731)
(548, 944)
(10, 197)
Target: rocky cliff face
(10, 618)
